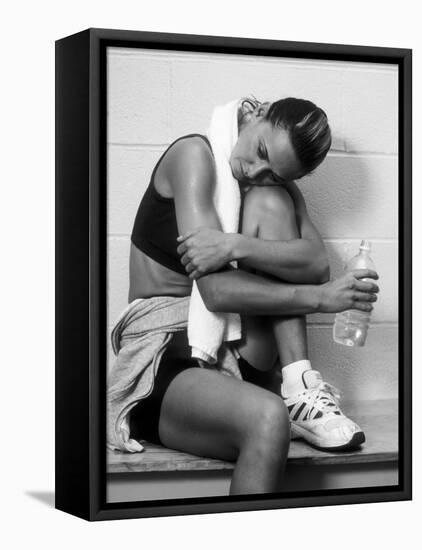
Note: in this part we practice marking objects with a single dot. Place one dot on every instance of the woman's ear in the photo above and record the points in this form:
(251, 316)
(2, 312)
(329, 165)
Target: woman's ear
(250, 109)
(262, 109)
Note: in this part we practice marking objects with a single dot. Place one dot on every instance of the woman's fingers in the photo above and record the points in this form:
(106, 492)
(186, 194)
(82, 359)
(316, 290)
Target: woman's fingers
(365, 274)
(182, 248)
(366, 286)
(363, 301)
(188, 234)
(363, 306)
(364, 297)
(182, 238)
(184, 259)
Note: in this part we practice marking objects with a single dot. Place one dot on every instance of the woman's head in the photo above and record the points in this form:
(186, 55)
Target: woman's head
(307, 126)
(280, 141)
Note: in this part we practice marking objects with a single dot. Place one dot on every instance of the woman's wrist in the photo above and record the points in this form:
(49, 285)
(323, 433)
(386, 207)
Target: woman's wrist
(235, 245)
(310, 296)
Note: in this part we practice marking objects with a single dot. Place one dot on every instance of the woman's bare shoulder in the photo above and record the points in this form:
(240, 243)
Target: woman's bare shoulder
(190, 159)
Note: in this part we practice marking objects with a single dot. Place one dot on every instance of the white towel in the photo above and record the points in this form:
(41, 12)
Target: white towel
(207, 330)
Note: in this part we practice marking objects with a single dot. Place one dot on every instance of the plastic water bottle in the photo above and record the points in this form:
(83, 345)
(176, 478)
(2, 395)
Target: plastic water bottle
(351, 327)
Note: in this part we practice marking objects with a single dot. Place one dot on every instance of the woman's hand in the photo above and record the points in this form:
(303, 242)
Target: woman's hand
(205, 250)
(349, 292)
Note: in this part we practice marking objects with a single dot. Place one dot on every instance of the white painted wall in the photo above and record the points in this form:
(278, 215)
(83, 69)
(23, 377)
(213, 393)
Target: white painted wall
(155, 97)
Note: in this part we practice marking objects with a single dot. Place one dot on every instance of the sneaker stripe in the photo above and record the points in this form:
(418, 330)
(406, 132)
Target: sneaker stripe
(300, 409)
(294, 408)
(309, 413)
(314, 413)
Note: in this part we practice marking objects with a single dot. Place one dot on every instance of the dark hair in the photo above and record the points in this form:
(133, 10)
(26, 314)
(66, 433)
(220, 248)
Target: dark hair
(306, 124)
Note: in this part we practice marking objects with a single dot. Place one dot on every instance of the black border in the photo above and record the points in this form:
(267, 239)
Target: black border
(81, 255)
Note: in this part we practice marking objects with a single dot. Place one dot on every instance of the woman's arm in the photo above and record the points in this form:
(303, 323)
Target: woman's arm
(292, 249)
(191, 174)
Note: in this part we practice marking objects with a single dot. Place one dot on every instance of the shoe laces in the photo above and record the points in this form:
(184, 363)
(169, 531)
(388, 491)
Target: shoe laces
(324, 397)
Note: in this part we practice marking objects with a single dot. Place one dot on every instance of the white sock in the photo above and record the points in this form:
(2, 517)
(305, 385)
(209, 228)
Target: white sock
(292, 377)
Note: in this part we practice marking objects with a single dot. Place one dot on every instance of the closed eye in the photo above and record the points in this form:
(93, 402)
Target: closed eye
(262, 153)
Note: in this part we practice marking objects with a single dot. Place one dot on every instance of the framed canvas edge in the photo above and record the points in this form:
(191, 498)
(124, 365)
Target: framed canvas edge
(94, 444)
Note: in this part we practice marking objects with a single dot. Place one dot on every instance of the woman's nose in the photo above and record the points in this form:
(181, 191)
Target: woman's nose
(256, 169)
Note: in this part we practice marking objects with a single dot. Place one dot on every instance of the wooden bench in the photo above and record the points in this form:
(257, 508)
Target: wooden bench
(378, 419)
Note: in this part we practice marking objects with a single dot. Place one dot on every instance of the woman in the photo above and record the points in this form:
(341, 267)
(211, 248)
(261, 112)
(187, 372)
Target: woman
(283, 275)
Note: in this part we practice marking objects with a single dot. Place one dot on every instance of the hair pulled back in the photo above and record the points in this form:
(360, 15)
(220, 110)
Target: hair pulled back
(306, 124)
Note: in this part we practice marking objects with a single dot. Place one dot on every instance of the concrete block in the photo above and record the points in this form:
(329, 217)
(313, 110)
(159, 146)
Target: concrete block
(370, 110)
(129, 173)
(354, 197)
(370, 372)
(385, 257)
(138, 99)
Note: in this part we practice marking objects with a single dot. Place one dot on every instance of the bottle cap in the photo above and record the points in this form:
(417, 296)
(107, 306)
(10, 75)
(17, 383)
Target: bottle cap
(365, 245)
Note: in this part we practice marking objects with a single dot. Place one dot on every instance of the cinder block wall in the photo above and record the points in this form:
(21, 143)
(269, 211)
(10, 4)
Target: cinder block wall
(156, 97)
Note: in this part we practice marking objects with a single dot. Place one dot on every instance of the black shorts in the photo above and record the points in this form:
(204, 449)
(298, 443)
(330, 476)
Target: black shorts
(145, 416)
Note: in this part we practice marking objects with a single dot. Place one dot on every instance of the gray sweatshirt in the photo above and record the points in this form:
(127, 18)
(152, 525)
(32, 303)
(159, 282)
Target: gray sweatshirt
(139, 340)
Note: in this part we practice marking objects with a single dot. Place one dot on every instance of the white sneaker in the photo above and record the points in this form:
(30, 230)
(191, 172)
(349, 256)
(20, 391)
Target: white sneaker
(316, 417)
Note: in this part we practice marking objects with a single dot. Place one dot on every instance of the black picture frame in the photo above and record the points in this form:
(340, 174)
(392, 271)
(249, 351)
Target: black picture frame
(81, 271)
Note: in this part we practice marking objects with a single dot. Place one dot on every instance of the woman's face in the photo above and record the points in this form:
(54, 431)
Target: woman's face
(263, 155)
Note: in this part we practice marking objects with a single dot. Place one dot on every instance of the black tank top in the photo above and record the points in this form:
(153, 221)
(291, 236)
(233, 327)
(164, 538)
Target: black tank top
(155, 228)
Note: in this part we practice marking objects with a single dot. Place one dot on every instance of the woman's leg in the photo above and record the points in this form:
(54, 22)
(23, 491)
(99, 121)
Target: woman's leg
(268, 215)
(265, 339)
(210, 414)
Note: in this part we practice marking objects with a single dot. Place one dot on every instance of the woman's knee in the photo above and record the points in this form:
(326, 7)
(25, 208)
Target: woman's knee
(268, 422)
(270, 199)
(273, 210)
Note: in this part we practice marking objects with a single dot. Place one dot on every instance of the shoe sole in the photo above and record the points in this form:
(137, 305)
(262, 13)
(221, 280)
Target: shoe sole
(357, 440)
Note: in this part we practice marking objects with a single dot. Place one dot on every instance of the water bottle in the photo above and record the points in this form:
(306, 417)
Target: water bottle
(351, 327)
